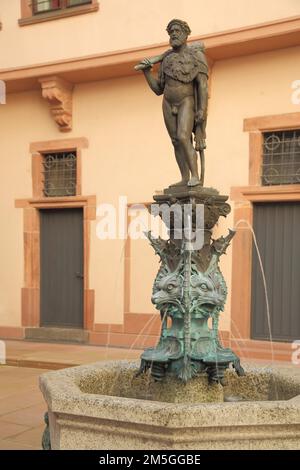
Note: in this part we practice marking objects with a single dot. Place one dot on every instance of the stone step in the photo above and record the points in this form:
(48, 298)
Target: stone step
(68, 335)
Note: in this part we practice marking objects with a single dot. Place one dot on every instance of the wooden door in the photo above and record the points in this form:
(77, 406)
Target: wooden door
(62, 268)
(277, 228)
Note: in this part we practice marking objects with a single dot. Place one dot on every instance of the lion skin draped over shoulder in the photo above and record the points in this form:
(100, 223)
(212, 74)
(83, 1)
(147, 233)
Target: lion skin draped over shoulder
(185, 66)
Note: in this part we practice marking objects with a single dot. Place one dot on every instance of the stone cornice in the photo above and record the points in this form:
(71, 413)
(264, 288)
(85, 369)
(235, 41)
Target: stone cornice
(219, 46)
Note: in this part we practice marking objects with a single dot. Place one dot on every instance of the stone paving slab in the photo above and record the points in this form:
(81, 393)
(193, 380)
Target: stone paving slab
(59, 356)
(22, 408)
(22, 405)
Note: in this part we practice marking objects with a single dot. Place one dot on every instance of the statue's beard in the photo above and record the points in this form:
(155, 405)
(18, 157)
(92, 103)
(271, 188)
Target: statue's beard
(176, 43)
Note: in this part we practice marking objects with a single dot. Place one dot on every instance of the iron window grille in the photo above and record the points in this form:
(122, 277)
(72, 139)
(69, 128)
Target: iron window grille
(281, 158)
(45, 6)
(59, 174)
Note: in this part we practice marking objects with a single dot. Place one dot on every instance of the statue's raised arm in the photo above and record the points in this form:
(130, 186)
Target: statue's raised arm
(182, 79)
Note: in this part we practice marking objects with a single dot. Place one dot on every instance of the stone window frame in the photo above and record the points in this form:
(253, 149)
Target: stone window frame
(256, 127)
(28, 18)
(281, 157)
(38, 149)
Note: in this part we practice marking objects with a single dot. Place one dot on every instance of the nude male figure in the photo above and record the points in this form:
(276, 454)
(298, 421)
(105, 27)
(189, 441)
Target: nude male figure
(182, 80)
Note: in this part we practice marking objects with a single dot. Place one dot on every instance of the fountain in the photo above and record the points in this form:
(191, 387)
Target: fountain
(189, 392)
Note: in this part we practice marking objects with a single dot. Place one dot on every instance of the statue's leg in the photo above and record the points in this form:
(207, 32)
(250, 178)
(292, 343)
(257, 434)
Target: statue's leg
(185, 126)
(171, 125)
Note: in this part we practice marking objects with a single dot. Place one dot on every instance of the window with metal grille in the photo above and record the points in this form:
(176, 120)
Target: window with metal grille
(281, 158)
(59, 171)
(43, 6)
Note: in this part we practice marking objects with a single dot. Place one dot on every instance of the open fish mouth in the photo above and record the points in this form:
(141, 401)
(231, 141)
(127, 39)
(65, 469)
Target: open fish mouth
(207, 307)
(166, 304)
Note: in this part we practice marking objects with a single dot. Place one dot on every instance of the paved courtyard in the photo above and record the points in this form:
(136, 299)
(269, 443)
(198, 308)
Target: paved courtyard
(22, 406)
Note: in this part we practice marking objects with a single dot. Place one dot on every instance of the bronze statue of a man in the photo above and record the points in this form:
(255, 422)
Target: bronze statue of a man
(182, 79)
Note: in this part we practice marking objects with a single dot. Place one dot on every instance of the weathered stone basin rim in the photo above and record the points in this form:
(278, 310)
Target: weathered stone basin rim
(89, 421)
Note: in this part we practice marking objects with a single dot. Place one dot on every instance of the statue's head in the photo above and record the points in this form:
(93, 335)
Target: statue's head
(178, 31)
(167, 288)
(207, 292)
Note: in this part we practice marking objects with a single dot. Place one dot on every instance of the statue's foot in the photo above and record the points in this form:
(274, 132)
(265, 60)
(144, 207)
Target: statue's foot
(180, 183)
(194, 181)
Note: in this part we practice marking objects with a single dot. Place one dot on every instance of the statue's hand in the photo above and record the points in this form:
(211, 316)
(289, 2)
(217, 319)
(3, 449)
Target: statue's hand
(147, 64)
(199, 116)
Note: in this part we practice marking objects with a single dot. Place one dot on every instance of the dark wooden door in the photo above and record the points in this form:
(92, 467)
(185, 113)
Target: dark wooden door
(277, 228)
(62, 268)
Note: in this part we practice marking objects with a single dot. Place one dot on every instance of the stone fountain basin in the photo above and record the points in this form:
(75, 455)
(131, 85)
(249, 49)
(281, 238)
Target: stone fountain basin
(102, 406)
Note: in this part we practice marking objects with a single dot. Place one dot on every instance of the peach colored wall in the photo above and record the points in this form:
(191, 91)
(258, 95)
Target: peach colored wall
(142, 276)
(121, 118)
(249, 86)
(15, 128)
(130, 154)
(122, 24)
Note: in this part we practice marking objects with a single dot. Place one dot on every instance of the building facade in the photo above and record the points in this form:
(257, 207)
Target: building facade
(80, 128)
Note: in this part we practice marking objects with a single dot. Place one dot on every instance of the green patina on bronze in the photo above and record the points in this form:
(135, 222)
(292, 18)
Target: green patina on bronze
(189, 289)
(46, 443)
